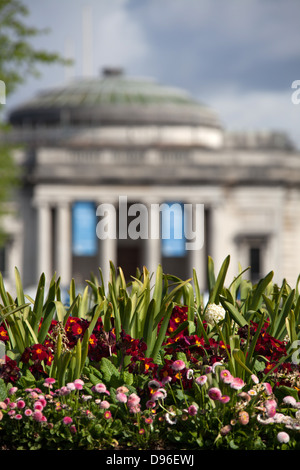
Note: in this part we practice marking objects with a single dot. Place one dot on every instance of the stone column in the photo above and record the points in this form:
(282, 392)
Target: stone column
(63, 244)
(44, 251)
(152, 245)
(196, 255)
(107, 234)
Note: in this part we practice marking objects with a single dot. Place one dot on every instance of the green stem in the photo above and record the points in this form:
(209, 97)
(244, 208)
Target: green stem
(172, 393)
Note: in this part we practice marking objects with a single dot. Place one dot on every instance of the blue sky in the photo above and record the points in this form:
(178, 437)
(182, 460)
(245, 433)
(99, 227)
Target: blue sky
(238, 56)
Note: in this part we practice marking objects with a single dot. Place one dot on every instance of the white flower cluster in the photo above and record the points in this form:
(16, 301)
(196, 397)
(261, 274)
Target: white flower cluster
(214, 314)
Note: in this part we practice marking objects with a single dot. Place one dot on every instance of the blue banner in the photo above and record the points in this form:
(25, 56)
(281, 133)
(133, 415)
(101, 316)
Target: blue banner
(172, 230)
(84, 228)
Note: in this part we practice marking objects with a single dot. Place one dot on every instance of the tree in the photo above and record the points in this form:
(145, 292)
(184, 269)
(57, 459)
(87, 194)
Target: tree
(18, 60)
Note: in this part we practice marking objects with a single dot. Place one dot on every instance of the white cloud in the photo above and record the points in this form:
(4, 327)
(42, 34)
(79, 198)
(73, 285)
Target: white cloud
(256, 111)
(118, 40)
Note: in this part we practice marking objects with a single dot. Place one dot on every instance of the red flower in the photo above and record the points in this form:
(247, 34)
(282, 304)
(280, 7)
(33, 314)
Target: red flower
(179, 315)
(93, 341)
(3, 334)
(39, 352)
(9, 372)
(77, 329)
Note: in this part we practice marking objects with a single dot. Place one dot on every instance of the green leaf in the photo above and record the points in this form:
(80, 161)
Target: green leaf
(251, 348)
(211, 280)
(79, 361)
(259, 290)
(3, 390)
(234, 313)
(240, 359)
(234, 286)
(37, 311)
(189, 301)
(84, 304)
(279, 323)
(168, 298)
(219, 283)
(72, 291)
(283, 391)
(84, 354)
(61, 311)
(162, 331)
(52, 289)
(108, 370)
(158, 290)
(3, 293)
(19, 287)
(200, 330)
(46, 323)
(291, 327)
(62, 366)
(116, 312)
(150, 332)
(197, 289)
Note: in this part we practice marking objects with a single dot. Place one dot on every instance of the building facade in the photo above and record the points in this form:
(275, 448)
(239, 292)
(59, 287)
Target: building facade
(94, 141)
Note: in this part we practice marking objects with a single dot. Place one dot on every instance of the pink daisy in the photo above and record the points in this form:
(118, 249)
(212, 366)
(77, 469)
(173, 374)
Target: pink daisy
(193, 409)
(121, 397)
(243, 418)
(38, 416)
(67, 420)
(224, 399)
(283, 437)
(214, 393)
(38, 406)
(237, 383)
(133, 400)
(178, 365)
(21, 404)
(289, 400)
(78, 384)
(226, 376)
(268, 388)
(107, 415)
(201, 380)
(104, 405)
(100, 388)
(255, 378)
(270, 406)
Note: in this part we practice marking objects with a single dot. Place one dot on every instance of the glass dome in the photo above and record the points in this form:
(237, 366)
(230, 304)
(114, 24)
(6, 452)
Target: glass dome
(113, 98)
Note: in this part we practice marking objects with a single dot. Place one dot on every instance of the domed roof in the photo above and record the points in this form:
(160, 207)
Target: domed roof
(113, 99)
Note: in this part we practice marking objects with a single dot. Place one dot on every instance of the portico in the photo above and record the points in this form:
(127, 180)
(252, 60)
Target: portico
(54, 214)
(92, 141)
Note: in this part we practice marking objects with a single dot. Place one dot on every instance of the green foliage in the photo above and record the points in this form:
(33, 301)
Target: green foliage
(139, 313)
(142, 309)
(18, 58)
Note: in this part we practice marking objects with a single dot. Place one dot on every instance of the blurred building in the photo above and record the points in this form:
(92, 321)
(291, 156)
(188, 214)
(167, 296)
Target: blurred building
(91, 141)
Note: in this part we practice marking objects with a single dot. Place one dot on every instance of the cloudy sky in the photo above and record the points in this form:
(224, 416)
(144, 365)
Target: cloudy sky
(238, 56)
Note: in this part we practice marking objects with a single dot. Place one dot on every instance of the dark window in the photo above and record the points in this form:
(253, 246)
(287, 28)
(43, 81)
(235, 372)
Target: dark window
(2, 260)
(255, 263)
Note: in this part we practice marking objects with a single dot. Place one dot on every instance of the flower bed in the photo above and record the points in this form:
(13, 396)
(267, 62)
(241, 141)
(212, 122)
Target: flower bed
(217, 378)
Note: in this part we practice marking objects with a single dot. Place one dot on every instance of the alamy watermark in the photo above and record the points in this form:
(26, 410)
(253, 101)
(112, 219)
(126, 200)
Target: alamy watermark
(296, 354)
(296, 94)
(2, 92)
(2, 353)
(153, 221)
